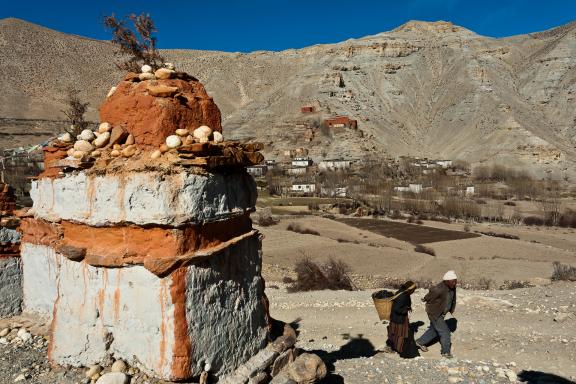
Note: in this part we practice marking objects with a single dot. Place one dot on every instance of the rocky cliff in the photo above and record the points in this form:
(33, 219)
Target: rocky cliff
(428, 89)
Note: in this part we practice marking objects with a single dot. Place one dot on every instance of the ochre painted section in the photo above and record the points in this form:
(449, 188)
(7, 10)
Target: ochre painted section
(131, 244)
(182, 350)
(40, 232)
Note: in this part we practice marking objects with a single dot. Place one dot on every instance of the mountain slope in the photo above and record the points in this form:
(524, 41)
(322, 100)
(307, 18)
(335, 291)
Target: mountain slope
(427, 89)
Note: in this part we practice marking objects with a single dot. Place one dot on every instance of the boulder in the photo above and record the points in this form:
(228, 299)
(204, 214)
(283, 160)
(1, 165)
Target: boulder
(151, 119)
(146, 69)
(307, 368)
(117, 136)
(102, 140)
(146, 76)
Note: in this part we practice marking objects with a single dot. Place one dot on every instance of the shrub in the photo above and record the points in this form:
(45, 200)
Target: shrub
(515, 284)
(411, 219)
(304, 231)
(138, 43)
(563, 272)
(74, 112)
(419, 222)
(311, 276)
(568, 219)
(533, 220)
(424, 249)
(264, 217)
(341, 240)
(466, 227)
(501, 235)
(313, 207)
(510, 203)
(396, 215)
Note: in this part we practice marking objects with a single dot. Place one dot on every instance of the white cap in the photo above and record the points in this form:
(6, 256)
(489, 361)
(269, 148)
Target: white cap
(450, 275)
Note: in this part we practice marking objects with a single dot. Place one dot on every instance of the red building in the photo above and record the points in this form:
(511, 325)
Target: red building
(341, 122)
(307, 109)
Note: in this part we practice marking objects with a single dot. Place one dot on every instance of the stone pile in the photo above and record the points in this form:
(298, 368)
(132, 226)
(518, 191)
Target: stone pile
(10, 268)
(279, 363)
(139, 243)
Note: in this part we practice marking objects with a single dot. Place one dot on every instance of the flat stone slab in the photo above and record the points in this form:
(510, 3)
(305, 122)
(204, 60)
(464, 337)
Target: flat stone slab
(143, 198)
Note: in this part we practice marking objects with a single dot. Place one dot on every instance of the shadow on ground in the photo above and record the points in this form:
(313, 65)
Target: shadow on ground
(356, 347)
(537, 377)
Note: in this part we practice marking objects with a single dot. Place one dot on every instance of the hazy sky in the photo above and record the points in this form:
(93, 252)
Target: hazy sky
(235, 25)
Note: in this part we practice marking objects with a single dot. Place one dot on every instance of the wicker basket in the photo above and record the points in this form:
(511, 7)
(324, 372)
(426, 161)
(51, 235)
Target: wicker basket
(383, 305)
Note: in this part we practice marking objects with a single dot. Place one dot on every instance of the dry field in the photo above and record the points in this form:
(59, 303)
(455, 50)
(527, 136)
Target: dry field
(382, 248)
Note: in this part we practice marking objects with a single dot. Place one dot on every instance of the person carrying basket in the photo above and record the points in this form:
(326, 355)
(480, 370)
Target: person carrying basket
(400, 334)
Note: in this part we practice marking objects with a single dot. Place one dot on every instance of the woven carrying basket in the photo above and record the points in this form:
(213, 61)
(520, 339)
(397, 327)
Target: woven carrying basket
(383, 305)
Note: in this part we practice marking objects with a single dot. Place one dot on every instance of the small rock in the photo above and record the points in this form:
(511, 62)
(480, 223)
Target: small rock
(156, 154)
(111, 92)
(4, 332)
(561, 317)
(453, 371)
(454, 379)
(87, 135)
(79, 154)
(102, 140)
(173, 141)
(65, 137)
(218, 137)
(119, 366)
(202, 132)
(117, 135)
(161, 90)
(25, 336)
(130, 139)
(84, 146)
(104, 127)
(182, 132)
(188, 140)
(92, 370)
(146, 76)
(207, 367)
(20, 378)
(113, 378)
(169, 66)
(164, 148)
(129, 151)
(70, 152)
(511, 375)
(164, 73)
(115, 153)
(146, 69)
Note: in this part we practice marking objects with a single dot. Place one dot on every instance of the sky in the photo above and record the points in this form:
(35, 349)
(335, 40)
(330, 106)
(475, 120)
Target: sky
(249, 25)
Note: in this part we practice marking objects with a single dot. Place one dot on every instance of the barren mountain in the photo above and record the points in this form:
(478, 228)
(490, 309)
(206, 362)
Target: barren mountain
(425, 89)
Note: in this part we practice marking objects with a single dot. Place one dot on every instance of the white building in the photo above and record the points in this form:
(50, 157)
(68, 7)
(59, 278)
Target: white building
(414, 188)
(304, 188)
(334, 192)
(301, 162)
(334, 164)
(470, 191)
(444, 163)
(296, 171)
(257, 170)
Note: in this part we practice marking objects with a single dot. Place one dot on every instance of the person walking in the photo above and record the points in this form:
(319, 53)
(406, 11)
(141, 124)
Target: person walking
(440, 300)
(400, 335)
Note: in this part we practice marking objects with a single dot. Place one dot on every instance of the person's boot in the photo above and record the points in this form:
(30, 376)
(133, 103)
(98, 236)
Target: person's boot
(388, 349)
(421, 347)
(447, 355)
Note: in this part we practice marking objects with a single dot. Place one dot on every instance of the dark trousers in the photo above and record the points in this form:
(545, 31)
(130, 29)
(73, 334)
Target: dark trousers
(437, 329)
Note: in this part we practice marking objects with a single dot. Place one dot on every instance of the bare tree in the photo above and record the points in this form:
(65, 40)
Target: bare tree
(75, 110)
(138, 42)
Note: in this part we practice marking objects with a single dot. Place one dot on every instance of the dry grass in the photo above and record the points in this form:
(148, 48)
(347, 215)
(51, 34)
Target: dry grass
(563, 272)
(311, 276)
(304, 231)
(501, 235)
(424, 249)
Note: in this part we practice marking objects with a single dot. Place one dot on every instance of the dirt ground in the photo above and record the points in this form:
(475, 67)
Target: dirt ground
(520, 329)
(376, 253)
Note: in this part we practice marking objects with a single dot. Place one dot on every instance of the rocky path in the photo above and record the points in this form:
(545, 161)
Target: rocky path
(524, 335)
(499, 334)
